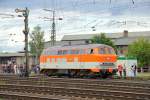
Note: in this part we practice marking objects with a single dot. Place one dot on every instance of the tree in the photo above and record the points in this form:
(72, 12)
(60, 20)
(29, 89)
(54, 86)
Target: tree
(141, 50)
(37, 43)
(102, 39)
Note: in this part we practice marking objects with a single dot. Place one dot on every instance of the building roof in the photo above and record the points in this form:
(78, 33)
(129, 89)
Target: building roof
(12, 54)
(127, 40)
(109, 35)
(87, 36)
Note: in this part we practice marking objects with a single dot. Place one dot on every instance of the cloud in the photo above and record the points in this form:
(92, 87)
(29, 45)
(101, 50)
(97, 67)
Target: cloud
(79, 16)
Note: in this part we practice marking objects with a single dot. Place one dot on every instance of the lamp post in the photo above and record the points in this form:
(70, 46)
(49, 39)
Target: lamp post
(53, 31)
(25, 13)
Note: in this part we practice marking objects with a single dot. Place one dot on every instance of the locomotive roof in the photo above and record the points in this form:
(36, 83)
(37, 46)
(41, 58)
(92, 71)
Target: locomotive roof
(76, 47)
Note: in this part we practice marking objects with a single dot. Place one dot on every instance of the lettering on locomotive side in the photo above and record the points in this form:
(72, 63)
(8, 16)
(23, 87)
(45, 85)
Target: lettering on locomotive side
(107, 64)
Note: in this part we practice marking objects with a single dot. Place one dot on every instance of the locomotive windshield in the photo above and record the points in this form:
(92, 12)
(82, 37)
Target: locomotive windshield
(106, 50)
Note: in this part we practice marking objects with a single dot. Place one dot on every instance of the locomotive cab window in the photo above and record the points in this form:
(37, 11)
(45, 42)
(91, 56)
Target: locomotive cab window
(81, 51)
(74, 51)
(101, 51)
(106, 50)
(92, 51)
(111, 50)
(88, 51)
(59, 52)
(65, 52)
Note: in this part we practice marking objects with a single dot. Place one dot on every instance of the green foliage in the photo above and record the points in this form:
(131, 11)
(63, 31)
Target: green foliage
(102, 39)
(37, 42)
(141, 50)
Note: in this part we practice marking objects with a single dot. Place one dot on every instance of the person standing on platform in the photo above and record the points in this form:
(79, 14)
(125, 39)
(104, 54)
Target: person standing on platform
(124, 71)
(15, 69)
(38, 69)
(120, 68)
(134, 67)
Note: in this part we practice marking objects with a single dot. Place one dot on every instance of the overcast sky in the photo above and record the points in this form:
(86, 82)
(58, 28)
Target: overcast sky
(79, 16)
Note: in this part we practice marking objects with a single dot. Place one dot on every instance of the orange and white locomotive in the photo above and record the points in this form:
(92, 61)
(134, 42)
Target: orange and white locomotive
(79, 60)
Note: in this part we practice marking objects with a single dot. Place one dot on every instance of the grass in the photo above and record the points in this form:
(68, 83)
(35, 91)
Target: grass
(140, 76)
(145, 75)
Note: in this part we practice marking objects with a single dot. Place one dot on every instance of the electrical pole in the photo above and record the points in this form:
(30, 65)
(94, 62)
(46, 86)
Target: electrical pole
(53, 29)
(53, 32)
(25, 13)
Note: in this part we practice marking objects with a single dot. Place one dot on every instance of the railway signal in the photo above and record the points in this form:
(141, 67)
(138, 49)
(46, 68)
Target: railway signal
(25, 13)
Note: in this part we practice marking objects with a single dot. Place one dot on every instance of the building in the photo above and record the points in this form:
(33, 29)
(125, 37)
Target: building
(121, 40)
(11, 58)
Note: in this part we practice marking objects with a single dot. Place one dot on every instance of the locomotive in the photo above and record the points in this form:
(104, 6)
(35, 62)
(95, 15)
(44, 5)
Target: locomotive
(90, 60)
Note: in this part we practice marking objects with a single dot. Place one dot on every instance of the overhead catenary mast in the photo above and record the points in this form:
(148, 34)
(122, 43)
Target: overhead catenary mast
(53, 29)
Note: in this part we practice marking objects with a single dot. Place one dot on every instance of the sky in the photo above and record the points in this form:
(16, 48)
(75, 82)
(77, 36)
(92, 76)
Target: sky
(79, 17)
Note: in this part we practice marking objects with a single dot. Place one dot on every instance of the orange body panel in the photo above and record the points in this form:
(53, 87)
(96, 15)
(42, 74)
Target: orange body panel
(81, 58)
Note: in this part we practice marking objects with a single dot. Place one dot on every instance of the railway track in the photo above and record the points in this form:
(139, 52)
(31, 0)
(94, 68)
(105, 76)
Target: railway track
(47, 81)
(75, 92)
(104, 85)
(79, 89)
(12, 95)
(117, 81)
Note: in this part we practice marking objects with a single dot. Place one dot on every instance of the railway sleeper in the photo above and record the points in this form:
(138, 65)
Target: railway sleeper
(103, 83)
(127, 94)
(27, 96)
(56, 92)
